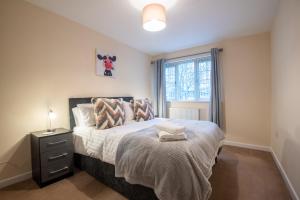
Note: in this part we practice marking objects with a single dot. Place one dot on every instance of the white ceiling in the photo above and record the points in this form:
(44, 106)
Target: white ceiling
(189, 22)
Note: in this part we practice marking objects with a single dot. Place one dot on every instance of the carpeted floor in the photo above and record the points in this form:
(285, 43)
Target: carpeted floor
(247, 175)
(239, 174)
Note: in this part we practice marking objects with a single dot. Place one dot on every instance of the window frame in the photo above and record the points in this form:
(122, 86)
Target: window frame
(174, 63)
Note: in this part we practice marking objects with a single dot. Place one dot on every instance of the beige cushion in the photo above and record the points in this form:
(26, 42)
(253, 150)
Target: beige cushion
(108, 112)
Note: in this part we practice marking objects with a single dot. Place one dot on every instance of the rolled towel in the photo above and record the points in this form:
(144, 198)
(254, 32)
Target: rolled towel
(170, 127)
(165, 136)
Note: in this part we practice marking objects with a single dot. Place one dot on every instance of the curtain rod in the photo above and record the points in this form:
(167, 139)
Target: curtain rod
(196, 54)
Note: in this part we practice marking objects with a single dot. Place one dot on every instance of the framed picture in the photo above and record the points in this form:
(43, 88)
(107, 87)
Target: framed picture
(105, 64)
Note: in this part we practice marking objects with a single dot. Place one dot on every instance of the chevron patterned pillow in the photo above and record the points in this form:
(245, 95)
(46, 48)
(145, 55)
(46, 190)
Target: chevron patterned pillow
(108, 112)
(143, 110)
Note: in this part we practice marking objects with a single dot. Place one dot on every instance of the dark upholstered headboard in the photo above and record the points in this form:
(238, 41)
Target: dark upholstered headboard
(74, 101)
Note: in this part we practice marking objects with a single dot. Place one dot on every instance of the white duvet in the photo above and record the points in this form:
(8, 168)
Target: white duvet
(103, 144)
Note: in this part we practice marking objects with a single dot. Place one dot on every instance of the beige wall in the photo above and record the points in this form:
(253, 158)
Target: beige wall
(45, 59)
(286, 89)
(246, 78)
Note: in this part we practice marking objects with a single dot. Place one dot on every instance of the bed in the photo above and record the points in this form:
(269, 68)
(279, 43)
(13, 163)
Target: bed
(104, 155)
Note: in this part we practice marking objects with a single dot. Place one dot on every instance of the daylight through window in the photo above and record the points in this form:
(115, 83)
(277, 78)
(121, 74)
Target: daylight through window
(188, 80)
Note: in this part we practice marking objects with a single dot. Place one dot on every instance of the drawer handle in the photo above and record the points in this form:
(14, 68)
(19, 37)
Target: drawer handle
(56, 143)
(59, 156)
(59, 170)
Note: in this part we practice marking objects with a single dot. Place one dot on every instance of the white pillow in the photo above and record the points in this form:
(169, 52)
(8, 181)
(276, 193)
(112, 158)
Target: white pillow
(128, 109)
(90, 105)
(86, 115)
(76, 115)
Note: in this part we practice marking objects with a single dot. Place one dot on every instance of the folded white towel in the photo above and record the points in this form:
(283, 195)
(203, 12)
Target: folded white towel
(165, 136)
(170, 127)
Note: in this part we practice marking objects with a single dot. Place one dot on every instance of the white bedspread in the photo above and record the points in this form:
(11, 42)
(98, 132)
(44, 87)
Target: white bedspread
(103, 144)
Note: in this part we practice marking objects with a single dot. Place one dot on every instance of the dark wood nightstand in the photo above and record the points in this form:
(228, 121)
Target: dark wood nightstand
(51, 155)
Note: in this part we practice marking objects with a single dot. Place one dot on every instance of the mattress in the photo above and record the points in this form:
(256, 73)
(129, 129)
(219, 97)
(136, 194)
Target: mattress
(90, 141)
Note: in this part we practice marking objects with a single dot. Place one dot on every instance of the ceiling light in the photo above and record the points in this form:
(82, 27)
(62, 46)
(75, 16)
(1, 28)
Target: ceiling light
(140, 4)
(154, 17)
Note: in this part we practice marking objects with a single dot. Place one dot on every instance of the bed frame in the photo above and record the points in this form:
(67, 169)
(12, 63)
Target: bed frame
(105, 172)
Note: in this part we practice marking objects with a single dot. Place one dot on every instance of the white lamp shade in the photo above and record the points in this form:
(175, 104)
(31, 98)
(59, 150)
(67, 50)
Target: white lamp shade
(52, 115)
(154, 17)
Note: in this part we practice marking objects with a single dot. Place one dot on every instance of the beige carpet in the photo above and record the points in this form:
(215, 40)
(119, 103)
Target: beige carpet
(239, 174)
(247, 175)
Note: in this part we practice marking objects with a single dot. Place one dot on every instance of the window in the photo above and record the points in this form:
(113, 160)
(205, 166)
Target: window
(188, 80)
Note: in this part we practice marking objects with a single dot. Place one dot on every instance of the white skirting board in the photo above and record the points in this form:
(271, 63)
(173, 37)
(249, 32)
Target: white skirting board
(287, 181)
(15, 179)
(247, 146)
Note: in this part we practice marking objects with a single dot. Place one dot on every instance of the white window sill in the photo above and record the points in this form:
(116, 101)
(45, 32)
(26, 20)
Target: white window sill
(198, 101)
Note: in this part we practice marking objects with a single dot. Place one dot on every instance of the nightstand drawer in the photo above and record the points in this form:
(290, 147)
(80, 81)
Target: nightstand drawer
(56, 170)
(54, 142)
(57, 156)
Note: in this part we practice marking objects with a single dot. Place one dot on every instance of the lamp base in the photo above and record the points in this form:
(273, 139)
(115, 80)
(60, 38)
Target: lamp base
(51, 130)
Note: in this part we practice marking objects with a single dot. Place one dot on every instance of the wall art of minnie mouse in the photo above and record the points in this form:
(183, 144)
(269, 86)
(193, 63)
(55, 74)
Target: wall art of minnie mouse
(105, 65)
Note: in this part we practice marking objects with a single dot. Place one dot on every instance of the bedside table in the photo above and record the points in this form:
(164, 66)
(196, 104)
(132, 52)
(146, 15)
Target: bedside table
(51, 155)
